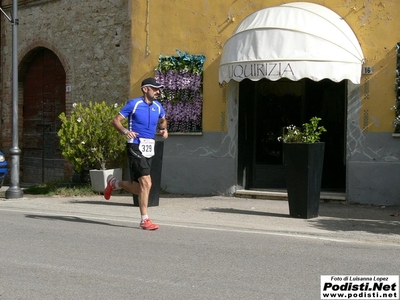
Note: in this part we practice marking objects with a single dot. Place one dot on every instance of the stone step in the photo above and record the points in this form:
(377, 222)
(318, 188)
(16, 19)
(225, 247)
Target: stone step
(282, 195)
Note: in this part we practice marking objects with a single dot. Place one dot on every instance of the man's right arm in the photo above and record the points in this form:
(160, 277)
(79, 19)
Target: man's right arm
(117, 123)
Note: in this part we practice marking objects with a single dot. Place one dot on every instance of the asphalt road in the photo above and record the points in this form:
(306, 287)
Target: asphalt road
(74, 256)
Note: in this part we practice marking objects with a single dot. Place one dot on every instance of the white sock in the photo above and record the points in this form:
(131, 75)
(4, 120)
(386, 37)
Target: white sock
(144, 217)
(116, 184)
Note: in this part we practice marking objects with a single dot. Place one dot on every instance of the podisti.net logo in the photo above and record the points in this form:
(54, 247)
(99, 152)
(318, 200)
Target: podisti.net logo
(385, 287)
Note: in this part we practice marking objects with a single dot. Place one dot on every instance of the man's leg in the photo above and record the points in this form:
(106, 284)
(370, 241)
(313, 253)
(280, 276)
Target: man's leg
(130, 186)
(145, 186)
(143, 195)
(141, 188)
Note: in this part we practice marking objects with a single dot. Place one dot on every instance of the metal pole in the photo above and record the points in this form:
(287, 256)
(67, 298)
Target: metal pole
(14, 190)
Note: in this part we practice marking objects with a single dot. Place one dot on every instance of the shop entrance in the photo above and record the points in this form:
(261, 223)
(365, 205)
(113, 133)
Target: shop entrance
(267, 107)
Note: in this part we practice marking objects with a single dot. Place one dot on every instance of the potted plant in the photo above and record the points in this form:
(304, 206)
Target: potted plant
(90, 143)
(303, 156)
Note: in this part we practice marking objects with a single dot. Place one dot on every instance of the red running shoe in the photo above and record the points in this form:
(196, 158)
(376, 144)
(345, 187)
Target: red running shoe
(110, 187)
(148, 225)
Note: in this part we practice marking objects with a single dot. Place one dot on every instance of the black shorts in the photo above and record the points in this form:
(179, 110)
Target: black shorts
(138, 164)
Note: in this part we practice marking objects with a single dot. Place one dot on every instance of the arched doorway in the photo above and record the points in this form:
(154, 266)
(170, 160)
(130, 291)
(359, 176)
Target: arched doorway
(43, 101)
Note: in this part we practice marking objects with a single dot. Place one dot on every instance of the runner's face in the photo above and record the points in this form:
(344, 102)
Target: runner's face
(153, 93)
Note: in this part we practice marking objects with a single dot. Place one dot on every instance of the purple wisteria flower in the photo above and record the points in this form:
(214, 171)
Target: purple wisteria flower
(182, 96)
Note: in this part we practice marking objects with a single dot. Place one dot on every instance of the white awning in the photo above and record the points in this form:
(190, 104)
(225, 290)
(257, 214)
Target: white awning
(295, 40)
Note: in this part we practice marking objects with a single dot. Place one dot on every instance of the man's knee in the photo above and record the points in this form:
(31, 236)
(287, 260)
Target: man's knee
(145, 182)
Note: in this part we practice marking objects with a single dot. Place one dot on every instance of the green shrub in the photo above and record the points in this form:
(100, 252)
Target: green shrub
(87, 138)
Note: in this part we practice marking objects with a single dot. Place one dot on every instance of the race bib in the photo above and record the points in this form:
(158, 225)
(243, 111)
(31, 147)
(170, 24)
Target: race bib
(146, 146)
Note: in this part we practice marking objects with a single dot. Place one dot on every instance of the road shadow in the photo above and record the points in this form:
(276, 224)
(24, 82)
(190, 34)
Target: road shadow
(359, 211)
(245, 212)
(358, 218)
(109, 203)
(180, 196)
(73, 219)
(357, 225)
(122, 193)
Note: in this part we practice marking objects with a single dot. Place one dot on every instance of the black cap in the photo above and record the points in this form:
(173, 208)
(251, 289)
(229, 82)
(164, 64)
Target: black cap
(151, 82)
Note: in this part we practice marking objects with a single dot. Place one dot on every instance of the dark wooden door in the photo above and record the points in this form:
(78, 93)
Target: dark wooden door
(44, 100)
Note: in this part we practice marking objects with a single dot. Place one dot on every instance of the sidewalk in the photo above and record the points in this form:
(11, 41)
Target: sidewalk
(336, 221)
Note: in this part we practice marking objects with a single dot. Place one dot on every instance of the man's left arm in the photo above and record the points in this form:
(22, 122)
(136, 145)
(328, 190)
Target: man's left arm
(162, 124)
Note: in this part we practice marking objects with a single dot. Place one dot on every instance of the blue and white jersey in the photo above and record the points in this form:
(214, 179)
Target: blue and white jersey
(142, 117)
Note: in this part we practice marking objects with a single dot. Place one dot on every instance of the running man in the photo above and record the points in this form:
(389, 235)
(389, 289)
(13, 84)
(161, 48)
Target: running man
(144, 114)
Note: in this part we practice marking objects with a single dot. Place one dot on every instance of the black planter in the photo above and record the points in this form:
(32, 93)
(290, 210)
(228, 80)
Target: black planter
(303, 165)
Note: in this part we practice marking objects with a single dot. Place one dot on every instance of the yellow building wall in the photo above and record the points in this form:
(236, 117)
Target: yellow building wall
(159, 27)
(376, 26)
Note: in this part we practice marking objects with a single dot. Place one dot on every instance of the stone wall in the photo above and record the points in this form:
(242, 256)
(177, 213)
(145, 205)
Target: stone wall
(91, 39)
